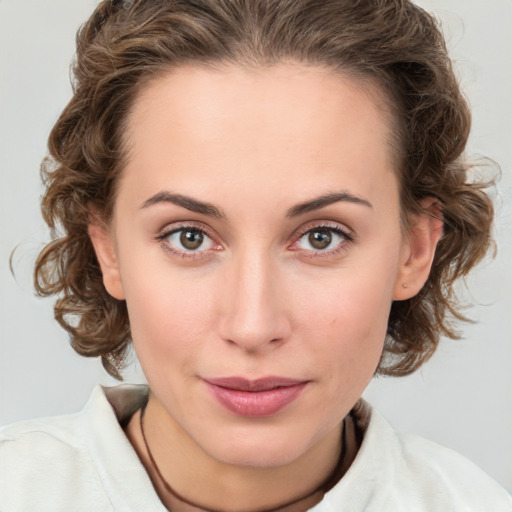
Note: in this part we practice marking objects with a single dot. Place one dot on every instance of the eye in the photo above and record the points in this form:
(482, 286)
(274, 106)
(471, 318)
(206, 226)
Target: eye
(187, 241)
(326, 239)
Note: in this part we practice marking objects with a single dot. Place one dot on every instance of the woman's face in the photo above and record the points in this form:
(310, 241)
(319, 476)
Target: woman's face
(256, 240)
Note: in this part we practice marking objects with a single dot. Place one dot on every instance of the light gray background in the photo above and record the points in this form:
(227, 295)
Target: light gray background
(462, 398)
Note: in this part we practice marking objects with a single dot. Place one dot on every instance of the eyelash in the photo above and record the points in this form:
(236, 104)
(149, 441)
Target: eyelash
(347, 237)
(166, 233)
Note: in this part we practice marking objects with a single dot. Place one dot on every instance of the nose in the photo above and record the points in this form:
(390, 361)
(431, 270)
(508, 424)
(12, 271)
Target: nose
(254, 315)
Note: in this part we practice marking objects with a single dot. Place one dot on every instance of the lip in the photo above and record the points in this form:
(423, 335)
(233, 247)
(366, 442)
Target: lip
(255, 398)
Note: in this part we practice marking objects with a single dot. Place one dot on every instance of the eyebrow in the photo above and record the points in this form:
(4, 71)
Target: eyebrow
(326, 200)
(194, 205)
(185, 202)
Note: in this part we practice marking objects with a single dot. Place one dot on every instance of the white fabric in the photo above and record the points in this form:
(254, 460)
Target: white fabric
(84, 462)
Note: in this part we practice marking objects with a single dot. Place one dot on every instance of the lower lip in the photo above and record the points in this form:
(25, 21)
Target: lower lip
(256, 404)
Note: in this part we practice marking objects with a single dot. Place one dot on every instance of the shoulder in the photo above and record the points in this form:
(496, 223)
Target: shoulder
(398, 472)
(66, 462)
(46, 439)
(443, 475)
(49, 460)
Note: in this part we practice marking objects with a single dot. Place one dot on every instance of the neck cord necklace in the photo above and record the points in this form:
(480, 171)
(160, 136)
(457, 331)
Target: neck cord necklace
(171, 491)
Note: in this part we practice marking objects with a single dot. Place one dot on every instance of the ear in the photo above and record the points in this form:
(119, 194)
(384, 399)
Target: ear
(104, 247)
(418, 250)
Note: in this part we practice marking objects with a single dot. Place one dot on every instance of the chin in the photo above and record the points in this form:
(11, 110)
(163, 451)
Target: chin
(256, 458)
(271, 448)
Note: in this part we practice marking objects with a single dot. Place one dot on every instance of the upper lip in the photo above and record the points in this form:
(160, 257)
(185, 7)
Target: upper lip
(262, 384)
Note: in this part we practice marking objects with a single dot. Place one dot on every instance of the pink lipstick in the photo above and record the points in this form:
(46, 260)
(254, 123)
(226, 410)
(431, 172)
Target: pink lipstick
(255, 398)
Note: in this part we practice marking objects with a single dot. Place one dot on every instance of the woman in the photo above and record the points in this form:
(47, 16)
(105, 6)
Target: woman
(269, 199)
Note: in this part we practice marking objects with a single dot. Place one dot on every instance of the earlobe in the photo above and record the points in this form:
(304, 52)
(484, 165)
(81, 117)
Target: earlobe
(102, 242)
(419, 250)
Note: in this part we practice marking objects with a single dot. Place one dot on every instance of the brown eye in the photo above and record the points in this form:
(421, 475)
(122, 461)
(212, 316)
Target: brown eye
(320, 238)
(324, 240)
(188, 242)
(191, 239)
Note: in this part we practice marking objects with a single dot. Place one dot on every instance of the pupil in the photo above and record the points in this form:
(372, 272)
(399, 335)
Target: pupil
(191, 239)
(320, 239)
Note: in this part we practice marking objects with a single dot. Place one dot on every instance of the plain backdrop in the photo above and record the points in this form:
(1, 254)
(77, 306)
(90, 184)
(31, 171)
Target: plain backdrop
(462, 398)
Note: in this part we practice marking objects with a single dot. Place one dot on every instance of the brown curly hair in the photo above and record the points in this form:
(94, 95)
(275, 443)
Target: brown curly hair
(391, 43)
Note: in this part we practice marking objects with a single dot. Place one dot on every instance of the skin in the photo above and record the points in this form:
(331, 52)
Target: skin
(257, 298)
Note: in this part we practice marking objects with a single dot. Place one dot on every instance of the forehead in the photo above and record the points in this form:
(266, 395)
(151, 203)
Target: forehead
(199, 128)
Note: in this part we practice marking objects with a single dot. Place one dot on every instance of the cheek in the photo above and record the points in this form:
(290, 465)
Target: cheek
(348, 321)
(169, 311)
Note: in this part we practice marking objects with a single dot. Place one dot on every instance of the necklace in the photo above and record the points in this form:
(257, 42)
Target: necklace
(324, 487)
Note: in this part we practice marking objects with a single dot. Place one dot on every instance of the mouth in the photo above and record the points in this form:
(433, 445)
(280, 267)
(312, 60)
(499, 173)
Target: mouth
(255, 398)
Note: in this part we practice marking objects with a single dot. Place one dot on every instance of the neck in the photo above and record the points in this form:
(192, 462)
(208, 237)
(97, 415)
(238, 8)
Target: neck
(179, 468)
